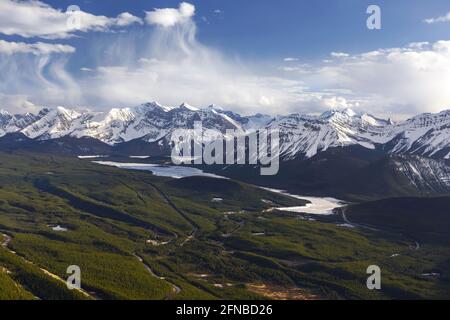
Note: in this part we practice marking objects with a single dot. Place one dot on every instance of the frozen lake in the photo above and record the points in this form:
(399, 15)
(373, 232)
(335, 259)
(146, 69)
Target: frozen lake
(318, 205)
(176, 172)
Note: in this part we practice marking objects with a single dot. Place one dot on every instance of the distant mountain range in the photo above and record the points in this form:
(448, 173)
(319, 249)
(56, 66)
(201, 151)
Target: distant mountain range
(148, 127)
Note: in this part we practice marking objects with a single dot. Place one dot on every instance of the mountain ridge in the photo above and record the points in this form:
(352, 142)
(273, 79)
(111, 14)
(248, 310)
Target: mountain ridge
(301, 135)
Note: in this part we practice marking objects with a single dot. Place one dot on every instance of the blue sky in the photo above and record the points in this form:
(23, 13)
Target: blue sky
(269, 29)
(227, 52)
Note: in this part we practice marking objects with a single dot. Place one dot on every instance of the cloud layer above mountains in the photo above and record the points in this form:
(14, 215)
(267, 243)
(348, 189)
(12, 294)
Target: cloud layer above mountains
(163, 60)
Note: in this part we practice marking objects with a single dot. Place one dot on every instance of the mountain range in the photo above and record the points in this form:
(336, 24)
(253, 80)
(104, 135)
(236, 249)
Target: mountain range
(148, 127)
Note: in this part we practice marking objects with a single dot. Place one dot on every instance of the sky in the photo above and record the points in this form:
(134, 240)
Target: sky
(265, 56)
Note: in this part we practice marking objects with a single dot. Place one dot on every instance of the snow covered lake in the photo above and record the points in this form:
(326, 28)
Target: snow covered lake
(176, 172)
(92, 157)
(320, 206)
(59, 228)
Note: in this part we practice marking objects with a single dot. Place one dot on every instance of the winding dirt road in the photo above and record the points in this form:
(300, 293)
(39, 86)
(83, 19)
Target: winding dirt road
(175, 288)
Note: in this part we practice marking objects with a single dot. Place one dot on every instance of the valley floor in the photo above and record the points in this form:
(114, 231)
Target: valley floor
(139, 236)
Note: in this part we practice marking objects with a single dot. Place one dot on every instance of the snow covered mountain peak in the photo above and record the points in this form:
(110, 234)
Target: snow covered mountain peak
(214, 108)
(152, 106)
(123, 115)
(349, 115)
(330, 114)
(300, 135)
(305, 136)
(349, 112)
(67, 112)
(187, 106)
(52, 123)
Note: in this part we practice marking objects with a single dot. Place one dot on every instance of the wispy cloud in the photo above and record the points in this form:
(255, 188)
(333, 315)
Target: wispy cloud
(444, 18)
(38, 48)
(339, 54)
(35, 73)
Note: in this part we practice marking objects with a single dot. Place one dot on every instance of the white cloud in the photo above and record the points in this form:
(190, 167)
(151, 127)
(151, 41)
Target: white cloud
(339, 54)
(290, 59)
(297, 68)
(17, 104)
(397, 80)
(290, 69)
(32, 18)
(419, 45)
(39, 48)
(444, 18)
(169, 17)
(202, 78)
(126, 18)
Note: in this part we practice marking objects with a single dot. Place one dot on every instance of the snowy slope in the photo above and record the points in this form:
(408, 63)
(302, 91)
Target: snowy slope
(307, 135)
(54, 123)
(426, 134)
(14, 123)
(424, 173)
